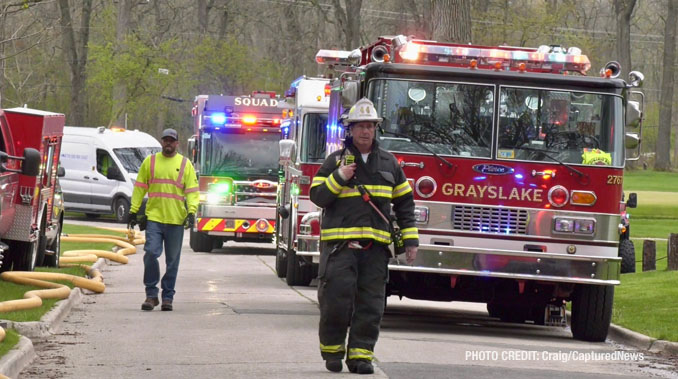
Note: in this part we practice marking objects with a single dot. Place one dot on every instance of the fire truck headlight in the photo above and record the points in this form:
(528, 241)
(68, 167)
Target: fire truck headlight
(584, 226)
(214, 198)
(563, 225)
(421, 214)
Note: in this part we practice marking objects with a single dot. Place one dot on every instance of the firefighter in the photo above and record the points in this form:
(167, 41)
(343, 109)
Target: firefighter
(172, 186)
(354, 256)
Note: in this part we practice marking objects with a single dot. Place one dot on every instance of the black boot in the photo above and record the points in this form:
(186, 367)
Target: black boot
(333, 365)
(360, 366)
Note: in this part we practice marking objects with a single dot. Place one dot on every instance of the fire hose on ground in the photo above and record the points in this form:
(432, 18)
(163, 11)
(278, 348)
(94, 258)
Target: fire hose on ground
(95, 282)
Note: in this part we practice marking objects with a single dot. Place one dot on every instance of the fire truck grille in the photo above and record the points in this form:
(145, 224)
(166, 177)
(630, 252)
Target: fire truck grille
(247, 194)
(489, 220)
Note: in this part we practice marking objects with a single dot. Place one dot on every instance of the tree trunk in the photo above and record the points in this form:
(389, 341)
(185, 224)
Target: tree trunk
(119, 96)
(623, 10)
(75, 53)
(663, 145)
(452, 21)
(349, 21)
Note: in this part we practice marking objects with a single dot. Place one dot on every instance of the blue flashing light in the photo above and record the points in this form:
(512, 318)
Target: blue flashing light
(296, 81)
(519, 176)
(480, 178)
(285, 130)
(520, 55)
(532, 185)
(218, 118)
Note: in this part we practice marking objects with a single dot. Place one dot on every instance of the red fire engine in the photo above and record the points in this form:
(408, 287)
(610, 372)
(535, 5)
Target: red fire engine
(516, 161)
(304, 126)
(30, 221)
(234, 150)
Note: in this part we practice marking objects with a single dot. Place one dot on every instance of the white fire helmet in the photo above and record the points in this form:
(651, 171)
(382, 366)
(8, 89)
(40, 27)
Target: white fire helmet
(362, 110)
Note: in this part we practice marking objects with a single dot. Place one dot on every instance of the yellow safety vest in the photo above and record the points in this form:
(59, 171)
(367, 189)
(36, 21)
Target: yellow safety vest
(172, 186)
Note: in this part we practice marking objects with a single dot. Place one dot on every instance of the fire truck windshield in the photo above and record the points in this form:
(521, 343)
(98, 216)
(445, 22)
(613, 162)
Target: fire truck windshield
(313, 145)
(239, 154)
(533, 124)
(571, 127)
(132, 157)
(446, 118)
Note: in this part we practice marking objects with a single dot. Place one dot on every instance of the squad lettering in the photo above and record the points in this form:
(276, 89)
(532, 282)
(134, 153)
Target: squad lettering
(256, 102)
(493, 192)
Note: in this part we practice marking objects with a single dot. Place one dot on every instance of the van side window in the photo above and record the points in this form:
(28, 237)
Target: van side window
(104, 161)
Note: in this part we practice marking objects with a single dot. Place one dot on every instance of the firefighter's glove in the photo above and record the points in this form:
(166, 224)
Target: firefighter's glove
(189, 223)
(132, 220)
(410, 254)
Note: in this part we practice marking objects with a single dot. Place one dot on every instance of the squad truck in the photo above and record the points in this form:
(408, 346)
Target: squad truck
(516, 160)
(235, 152)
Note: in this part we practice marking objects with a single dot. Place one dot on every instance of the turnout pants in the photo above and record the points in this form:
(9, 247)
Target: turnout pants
(351, 292)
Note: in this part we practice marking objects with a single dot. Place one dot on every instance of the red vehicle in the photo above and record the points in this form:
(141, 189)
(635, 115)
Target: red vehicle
(235, 153)
(31, 221)
(304, 126)
(516, 159)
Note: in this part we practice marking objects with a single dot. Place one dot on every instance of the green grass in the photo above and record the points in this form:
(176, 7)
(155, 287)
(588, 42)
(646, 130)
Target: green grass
(647, 180)
(11, 339)
(646, 303)
(12, 291)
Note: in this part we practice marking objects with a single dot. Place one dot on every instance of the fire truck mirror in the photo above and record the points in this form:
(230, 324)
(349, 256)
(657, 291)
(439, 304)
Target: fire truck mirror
(191, 149)
(61, 172)
(349, 94)
(633, 113)
(632, 202)
(631, 140)
(31, 162)
(288, 150)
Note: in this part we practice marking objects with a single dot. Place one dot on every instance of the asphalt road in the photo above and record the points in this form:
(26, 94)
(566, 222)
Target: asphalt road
(234, 318)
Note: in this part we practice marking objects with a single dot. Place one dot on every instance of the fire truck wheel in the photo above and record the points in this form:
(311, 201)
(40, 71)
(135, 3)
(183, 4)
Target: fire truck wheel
(280, 263)
(24, 255)
(53, 260)
(591, 312)
(121, 209)
(201, 242)
(42, 241)
(299, 272)
(627, 252)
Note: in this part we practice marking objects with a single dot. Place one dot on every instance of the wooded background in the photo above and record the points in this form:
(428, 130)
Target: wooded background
(142, 62)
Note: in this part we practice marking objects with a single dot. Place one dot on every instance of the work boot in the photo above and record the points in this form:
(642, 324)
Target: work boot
(360, 366)
(333, 365)
(166, 305)
(149, 303)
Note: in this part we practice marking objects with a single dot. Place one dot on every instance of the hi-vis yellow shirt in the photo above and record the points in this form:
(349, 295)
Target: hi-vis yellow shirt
(169, 182)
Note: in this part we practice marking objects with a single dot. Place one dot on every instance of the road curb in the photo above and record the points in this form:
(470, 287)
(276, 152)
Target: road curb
(18, 358)
(641, 341)
(23, 353)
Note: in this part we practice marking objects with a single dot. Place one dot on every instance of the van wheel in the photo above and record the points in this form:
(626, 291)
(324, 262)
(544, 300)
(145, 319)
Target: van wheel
(121, 209)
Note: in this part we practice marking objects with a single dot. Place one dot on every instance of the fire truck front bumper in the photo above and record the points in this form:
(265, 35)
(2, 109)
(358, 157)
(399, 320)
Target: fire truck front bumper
(236, 221)
(512, 264)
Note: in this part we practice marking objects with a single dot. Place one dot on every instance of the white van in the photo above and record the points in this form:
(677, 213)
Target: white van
(101, 167)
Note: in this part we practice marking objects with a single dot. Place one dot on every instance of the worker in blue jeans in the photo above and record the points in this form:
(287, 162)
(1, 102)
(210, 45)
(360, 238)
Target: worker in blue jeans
(172, 187)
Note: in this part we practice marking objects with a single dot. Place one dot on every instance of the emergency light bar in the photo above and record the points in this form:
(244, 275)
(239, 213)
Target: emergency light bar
(220, 119)
(339, 57)
(552, 59)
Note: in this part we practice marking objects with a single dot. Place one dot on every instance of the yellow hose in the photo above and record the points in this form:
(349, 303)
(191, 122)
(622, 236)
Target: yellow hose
(33, 299)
